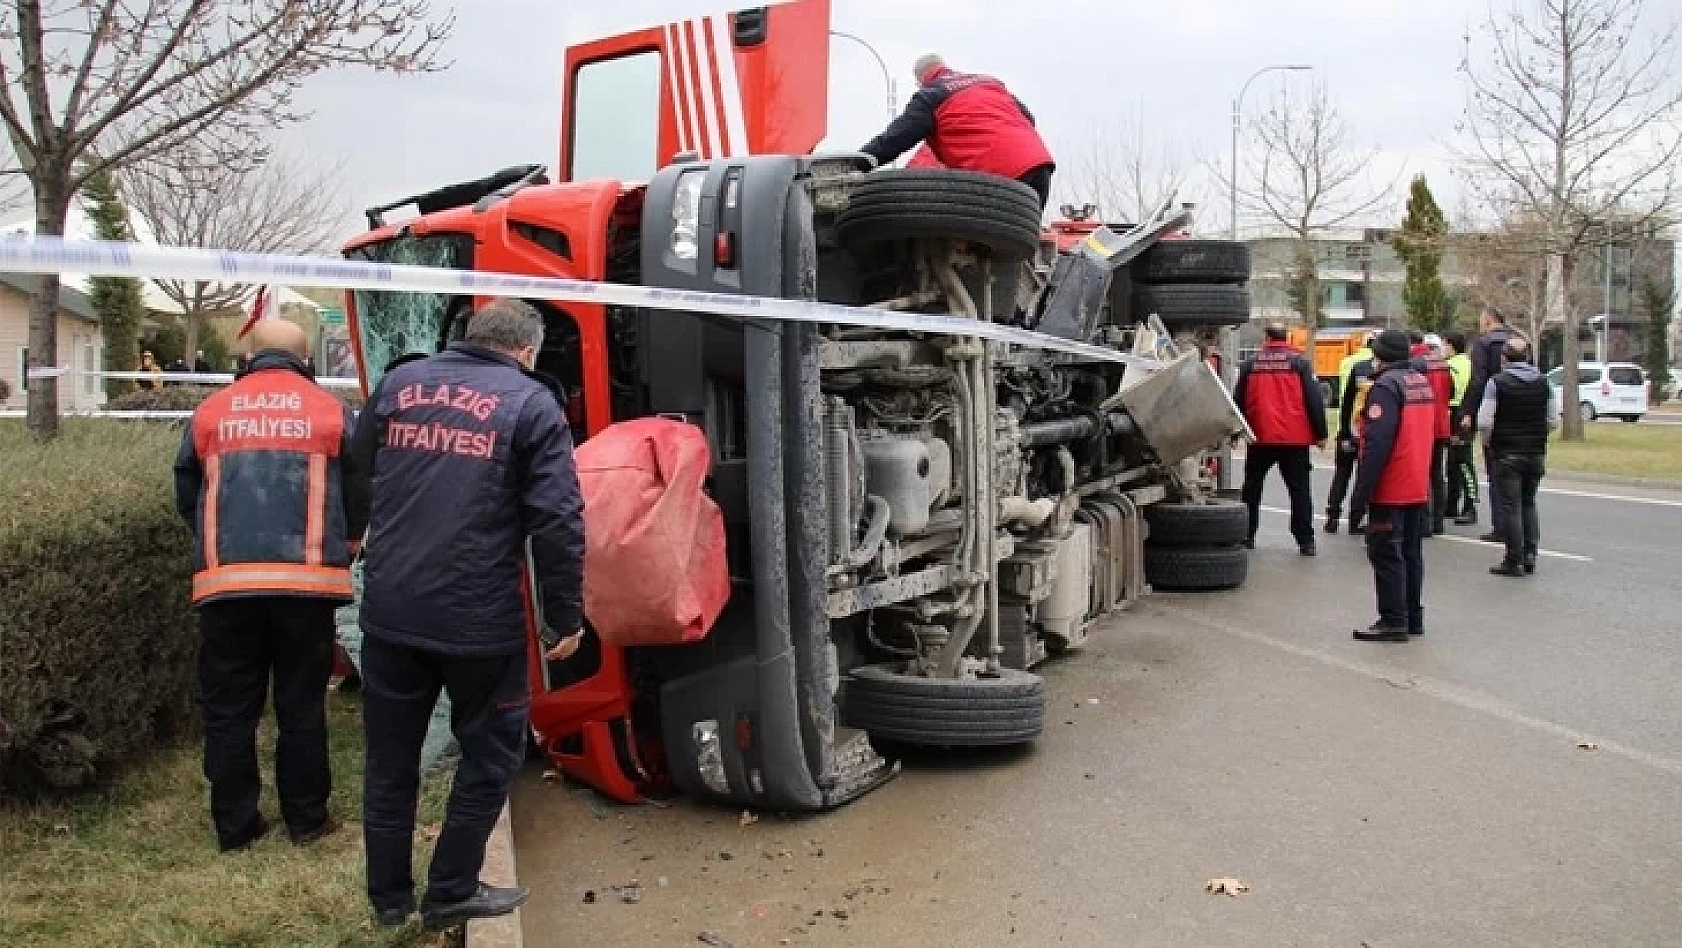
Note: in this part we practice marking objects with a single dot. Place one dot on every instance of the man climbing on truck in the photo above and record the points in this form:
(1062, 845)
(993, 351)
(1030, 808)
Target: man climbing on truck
(971, 123)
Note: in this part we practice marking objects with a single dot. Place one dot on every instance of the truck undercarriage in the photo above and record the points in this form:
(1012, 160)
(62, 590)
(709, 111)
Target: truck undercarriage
(914, 520)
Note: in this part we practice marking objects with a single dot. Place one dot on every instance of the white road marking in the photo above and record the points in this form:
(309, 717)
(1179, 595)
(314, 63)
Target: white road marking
(1562, 491)
(1441, 690)
(1573, 557)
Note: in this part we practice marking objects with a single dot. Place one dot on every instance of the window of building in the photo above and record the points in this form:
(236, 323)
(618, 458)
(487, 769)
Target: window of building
(90, 366)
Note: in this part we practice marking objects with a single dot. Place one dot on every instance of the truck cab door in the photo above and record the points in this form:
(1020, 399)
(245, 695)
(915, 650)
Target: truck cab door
(719, 86)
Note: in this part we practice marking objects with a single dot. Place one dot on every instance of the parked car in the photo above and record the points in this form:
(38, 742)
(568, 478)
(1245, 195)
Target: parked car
(1609, 389)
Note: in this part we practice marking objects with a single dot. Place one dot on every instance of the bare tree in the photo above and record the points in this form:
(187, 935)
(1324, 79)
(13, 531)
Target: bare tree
(1125, 171)
(1584, 121)
(1309, 178)
(96, 85)
(275, 206)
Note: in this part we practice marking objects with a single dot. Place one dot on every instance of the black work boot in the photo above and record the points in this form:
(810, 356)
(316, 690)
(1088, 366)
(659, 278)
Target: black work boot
(1382, 631)
(1505, 568)
(1356, 527)
(1331, 522)
(1529, 563)
(488, 902)
(395, 917)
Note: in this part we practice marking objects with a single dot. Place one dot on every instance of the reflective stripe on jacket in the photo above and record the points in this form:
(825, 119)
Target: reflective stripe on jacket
(264, 480)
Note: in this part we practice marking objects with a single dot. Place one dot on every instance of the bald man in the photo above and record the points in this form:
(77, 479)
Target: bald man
(277, 508)
(971, 122)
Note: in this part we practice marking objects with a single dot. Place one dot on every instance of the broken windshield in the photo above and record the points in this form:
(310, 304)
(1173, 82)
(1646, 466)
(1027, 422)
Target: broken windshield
(391, 324)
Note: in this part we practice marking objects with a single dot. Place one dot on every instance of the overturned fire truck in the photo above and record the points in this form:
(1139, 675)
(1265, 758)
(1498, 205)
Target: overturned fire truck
(914, 521)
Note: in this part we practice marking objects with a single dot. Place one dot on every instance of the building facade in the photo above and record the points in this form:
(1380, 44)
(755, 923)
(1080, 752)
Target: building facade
(81, 346)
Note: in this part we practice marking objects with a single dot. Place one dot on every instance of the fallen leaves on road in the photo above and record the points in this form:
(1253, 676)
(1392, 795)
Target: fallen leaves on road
(1226, 887)
(748, 819)
(1588, 745)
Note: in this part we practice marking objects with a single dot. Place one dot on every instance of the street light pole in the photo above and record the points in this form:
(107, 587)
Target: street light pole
(1237, 110)
(887, 76)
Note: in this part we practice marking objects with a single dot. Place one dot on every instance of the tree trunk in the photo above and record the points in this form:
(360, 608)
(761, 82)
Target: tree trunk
(1559, 282)
(52, 206)
(190, 349)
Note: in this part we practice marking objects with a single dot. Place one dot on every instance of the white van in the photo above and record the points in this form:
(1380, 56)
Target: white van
(1606, 389)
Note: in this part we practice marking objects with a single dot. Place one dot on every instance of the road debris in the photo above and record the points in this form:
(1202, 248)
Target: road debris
(712, 938)
(1588, 745)
(431, 831)
(1226, 887)
(748, 819)
(551, 776)
(630, 893)
(589, 896)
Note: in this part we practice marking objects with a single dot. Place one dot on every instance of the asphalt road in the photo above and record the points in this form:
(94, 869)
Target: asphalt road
(1426, 794)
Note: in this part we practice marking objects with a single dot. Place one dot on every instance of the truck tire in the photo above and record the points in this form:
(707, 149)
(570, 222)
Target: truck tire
(945, 712)
(1193, 261)
(899, 203)
(1196, 569)
(1188, 304)
(1212, 522)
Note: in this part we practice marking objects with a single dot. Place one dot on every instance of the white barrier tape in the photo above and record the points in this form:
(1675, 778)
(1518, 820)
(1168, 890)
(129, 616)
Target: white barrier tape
(202, 378)
(36, 254)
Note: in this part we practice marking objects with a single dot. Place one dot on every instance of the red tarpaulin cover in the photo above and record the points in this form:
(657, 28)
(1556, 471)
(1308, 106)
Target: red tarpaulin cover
(654, 568)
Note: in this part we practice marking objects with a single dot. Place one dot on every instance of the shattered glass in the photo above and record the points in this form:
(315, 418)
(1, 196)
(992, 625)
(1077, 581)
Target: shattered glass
(396, 323)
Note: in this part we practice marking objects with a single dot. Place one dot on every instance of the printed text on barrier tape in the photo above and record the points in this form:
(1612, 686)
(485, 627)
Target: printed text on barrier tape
(204, 378)
(35, 254)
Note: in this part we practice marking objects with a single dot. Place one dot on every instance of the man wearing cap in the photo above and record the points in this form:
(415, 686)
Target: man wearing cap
(1462, 473)
(1394, 483)
(971, 122)
(1354, 376)
(1281, 401)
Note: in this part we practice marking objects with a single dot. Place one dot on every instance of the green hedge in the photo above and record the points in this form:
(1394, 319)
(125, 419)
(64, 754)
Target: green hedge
(97, 643)
(188, 397)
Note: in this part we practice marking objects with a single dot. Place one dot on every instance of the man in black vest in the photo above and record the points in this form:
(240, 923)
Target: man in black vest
(1516, 412)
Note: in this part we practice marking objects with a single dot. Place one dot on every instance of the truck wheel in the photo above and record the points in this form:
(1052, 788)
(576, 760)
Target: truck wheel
(899, 203)
(1211, 522)
(946, 712)
(1193, 304)
(1193, 261)
(1193, 569)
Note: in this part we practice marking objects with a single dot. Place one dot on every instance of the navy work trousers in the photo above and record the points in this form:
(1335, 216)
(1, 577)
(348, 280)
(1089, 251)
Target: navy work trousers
(243, 643)
(1396, 550)
(490, 700)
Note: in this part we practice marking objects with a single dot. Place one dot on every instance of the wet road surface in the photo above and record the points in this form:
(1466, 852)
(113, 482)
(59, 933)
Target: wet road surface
(1427, 794)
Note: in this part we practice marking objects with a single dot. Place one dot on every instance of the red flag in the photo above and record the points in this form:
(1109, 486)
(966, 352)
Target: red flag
(264, 306)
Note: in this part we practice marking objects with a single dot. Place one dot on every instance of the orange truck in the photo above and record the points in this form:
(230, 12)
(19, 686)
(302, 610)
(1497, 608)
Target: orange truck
(1331, 347)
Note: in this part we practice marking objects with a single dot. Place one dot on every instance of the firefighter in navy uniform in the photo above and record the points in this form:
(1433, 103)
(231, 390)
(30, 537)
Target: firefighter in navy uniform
(471, 457)
(276, 507)
(1394, 484)
(1281, 401)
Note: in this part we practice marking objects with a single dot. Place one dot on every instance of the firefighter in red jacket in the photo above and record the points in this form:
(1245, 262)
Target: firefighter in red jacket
(1427, 348)
(1395, 484)
(277, 506)
(1281, 400)
(971, 123)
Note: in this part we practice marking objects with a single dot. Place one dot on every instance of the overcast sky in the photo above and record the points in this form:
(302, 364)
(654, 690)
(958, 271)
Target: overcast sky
(1391, 66)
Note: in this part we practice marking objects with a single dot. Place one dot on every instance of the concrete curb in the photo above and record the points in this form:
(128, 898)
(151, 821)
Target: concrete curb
(501, 932)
